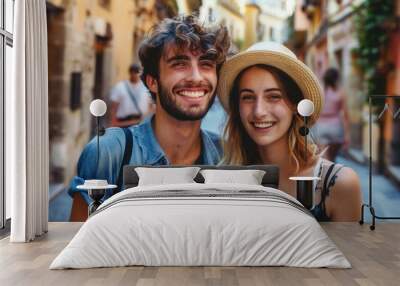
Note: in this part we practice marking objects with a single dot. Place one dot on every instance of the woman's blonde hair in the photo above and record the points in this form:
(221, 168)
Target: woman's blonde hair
(240, 149)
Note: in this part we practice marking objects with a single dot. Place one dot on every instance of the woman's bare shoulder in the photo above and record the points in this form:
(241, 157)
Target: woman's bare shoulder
(345, 195)
(347, 178)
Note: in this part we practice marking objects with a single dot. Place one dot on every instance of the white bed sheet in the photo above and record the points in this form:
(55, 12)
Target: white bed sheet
(200, 231)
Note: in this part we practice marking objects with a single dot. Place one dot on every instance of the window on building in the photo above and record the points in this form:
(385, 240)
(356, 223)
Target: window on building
(105, 3)
(75, 92)
(283, 5)
(6, 45)
(210, 15)
(272, 34)
(339, 58)
(232, 30)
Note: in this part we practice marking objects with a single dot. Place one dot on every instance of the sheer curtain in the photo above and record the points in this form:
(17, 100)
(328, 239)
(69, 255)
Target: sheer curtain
(27, 124)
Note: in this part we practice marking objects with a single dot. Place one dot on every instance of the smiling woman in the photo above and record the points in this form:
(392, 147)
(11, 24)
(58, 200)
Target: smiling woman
(266, 105)
(260, 88)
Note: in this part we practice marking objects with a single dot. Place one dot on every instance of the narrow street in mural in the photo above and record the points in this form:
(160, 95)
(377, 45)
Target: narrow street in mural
(93, 54)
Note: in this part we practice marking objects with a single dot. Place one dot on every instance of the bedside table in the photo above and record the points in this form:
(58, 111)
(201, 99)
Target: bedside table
(96, 190)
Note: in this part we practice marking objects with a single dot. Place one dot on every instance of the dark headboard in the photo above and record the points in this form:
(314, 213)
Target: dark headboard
(270, 179)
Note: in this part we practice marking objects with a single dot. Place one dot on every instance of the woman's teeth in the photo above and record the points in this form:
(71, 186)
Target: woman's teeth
(192, 93)
(263, 124)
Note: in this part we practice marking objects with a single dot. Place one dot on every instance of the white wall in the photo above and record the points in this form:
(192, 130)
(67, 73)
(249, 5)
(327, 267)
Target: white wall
(234, 23)
(272, 22)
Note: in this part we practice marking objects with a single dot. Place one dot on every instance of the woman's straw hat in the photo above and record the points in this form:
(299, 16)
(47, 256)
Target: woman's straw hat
(280, 57)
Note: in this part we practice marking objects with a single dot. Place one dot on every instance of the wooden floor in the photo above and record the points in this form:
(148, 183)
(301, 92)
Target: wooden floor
(374, 255)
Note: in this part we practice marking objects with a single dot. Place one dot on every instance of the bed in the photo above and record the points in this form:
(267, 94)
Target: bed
(201, 224)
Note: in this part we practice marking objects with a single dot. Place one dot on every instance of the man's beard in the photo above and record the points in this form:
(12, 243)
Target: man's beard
(169, 105)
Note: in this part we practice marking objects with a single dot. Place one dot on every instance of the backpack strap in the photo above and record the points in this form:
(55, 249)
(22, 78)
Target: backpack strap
(126, 158)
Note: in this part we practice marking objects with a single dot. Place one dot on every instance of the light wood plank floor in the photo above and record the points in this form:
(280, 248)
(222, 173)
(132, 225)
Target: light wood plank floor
(375, 257)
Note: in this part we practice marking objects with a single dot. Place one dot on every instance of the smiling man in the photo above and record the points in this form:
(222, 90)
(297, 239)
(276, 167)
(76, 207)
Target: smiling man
(181, 59)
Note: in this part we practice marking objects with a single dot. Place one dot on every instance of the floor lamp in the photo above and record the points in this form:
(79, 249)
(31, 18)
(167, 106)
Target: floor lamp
(304, 184)
(96, 188)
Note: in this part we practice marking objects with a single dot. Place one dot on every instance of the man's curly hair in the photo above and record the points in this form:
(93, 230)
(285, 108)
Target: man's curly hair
(185, 32)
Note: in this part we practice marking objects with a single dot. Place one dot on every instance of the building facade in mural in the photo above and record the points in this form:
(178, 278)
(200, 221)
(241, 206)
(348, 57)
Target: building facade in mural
(91, 45)
(249, 21)
(273, 19)
(324, 35)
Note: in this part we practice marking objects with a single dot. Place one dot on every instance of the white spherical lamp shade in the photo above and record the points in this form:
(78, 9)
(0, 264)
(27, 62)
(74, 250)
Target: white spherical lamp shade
(98, 107)
(305, 107)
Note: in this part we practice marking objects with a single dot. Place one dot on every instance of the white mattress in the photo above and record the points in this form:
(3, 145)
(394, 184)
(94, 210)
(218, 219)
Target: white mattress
(186, 230)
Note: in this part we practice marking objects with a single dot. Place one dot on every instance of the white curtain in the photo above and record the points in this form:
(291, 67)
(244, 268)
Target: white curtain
(27, 124)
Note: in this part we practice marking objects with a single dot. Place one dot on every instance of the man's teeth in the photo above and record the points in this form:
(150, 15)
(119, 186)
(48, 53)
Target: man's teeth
(192, 93)
(263, 124)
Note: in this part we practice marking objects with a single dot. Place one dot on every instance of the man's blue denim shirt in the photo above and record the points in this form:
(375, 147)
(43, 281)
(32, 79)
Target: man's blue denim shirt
(145, 151)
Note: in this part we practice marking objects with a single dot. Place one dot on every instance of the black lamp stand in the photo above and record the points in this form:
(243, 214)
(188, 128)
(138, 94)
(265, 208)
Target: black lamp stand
(96, 195)
(304, 192)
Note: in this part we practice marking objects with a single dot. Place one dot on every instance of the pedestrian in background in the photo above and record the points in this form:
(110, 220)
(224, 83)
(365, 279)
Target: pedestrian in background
(332, 128)
(130, 100)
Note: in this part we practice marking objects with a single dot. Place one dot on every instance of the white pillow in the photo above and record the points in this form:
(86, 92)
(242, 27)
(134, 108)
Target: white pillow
(162, 176)
(249, 177)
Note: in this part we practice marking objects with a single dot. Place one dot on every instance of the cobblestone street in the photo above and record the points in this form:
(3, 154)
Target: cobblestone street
(385, 194)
